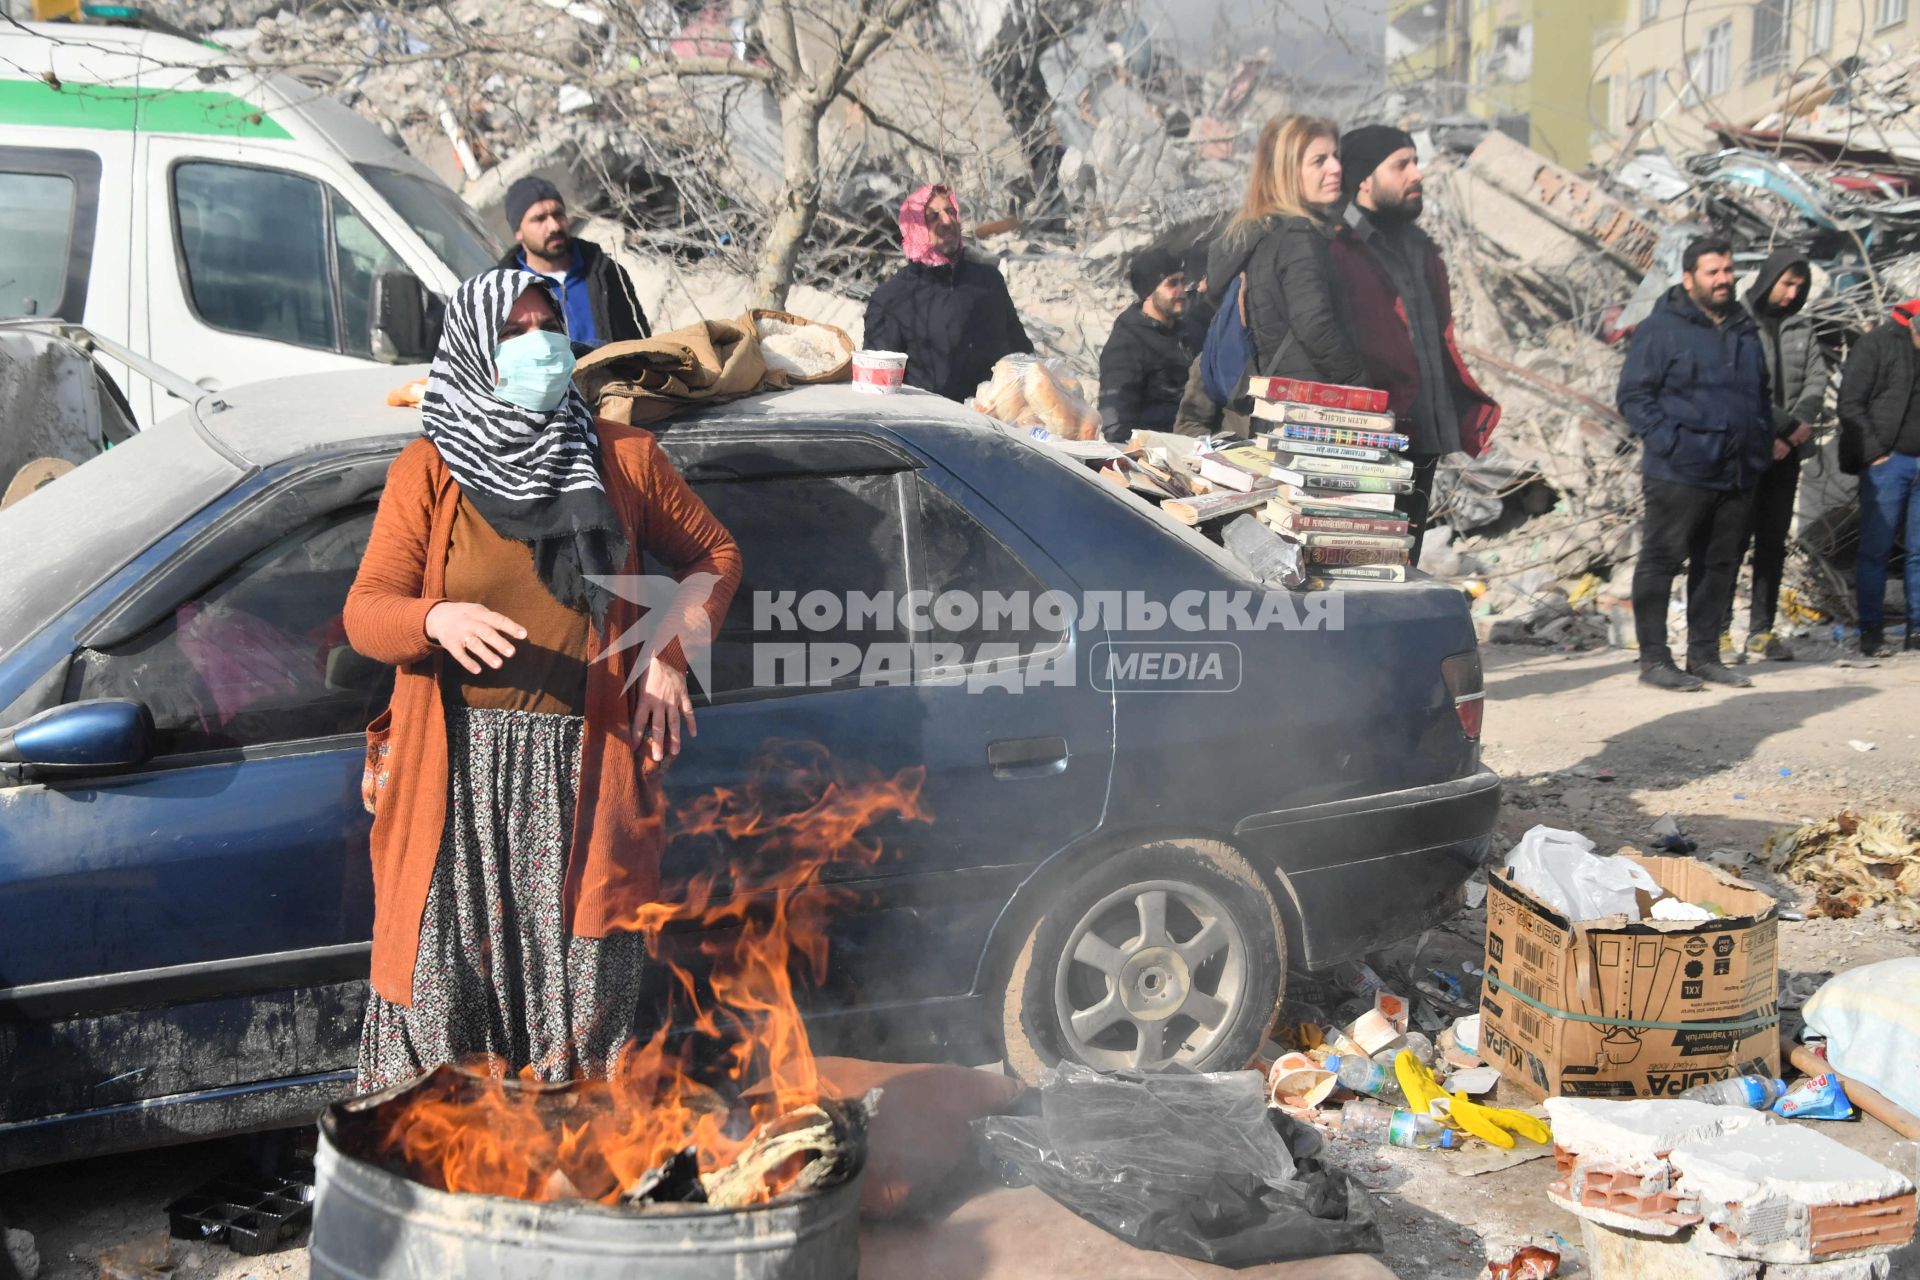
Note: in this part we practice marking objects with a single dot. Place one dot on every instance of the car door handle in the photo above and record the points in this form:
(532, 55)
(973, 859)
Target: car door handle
(1012, 758)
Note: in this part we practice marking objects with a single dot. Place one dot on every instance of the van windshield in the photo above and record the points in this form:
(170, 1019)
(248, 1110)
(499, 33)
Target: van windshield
(439, 217)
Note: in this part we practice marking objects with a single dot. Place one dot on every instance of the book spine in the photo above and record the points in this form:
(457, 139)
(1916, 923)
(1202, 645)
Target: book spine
(1321, 416)
(1301, 391)
(1398, 469)
(1295, 521)
(1359, 541)
(1359, 573)
(1357, 555)
(1306, 448)
(1343, 483)
(1319, 502)
(1391, 440)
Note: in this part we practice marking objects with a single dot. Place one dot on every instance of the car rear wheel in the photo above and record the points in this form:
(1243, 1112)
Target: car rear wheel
(1170, 955)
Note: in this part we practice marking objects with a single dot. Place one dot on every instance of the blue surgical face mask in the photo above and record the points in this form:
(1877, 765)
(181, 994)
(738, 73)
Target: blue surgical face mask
(535, 369)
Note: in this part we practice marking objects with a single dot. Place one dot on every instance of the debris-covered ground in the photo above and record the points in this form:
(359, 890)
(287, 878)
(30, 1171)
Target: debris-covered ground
(1584, 747)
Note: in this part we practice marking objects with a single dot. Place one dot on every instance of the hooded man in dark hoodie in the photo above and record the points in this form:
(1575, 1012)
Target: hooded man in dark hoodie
(1798, 371)
(1143, 367)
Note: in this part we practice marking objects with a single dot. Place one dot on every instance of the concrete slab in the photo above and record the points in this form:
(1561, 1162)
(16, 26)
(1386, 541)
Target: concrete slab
(1633, 1134)
(1005, 1234)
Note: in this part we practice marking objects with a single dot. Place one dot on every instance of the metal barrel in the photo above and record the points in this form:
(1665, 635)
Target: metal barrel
(370, 1224)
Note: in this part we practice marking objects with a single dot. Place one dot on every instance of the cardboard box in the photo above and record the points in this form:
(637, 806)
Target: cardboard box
(1714, 981)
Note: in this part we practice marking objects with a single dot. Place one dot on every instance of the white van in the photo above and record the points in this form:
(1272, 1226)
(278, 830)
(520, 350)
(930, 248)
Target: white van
(230, 225)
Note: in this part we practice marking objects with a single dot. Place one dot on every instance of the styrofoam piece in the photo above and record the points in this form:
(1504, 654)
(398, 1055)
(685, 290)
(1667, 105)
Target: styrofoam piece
(1474, 1080)
(1634, 1134)
(1790, 1161)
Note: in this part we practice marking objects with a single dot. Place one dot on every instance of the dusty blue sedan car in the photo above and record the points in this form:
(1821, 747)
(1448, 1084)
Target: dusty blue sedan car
(1124, 859)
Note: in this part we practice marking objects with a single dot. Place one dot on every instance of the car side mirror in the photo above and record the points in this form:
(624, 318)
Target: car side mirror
(405, 322)
(80, 737)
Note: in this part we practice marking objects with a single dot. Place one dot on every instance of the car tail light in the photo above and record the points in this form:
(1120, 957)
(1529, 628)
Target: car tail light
(1468, 687)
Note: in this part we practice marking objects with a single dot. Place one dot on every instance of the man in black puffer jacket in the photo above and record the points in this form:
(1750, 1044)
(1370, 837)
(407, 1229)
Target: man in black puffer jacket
(1143, 367)
(1694, 389)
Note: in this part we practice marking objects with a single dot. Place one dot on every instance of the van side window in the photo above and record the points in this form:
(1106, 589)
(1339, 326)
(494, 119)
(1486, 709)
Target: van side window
(274, 255)
(363, 256)
(49, 198)
(254, 242)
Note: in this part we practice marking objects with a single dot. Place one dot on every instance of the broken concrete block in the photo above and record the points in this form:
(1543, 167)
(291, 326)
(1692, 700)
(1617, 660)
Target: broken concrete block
(1637, 1134)
(1789, 1194)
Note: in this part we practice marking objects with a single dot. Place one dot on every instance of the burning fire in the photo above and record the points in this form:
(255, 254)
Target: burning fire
(757, 908)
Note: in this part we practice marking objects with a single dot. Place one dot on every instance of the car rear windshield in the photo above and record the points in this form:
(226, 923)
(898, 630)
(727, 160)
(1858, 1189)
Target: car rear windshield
(1187, 535)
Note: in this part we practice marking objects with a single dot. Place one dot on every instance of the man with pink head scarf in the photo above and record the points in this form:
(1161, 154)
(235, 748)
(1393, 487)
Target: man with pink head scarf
(949, 312)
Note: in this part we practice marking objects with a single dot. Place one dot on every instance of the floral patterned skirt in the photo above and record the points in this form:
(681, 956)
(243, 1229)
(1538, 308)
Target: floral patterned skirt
(497, 973)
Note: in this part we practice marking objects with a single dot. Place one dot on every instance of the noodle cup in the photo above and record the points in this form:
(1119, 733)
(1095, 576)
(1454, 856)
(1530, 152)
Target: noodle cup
(879, 373)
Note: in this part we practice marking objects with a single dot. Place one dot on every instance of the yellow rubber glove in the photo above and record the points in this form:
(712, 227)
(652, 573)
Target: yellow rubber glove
(1418, 1082)
(1493, 1123)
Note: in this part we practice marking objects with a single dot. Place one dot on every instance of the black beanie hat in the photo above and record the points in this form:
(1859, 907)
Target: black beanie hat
(1149, 269)
(1362, 150)
(526, 193)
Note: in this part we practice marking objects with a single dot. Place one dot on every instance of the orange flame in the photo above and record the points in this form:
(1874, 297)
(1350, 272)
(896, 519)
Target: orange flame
(732, 1053)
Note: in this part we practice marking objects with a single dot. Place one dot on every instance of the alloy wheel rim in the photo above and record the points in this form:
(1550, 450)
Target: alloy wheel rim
(1152, 975)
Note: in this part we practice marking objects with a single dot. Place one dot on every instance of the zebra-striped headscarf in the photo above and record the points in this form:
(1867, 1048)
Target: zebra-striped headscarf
(534, 477)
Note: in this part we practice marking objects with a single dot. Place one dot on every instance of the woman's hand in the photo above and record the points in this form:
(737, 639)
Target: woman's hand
(473, 631)
(664, 705)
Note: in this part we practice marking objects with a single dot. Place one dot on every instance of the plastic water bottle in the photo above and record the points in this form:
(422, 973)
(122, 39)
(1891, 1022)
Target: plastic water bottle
(1386, 1126)
(1756, 1092)
(1359, 1075)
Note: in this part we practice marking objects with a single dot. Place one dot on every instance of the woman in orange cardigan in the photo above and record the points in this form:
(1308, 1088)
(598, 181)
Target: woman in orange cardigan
(514, 778)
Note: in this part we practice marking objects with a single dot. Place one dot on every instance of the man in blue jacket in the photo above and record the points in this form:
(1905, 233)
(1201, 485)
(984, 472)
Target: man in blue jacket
(1694, 390)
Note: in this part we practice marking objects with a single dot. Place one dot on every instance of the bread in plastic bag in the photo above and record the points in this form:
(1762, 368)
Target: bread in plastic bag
(1025, 391)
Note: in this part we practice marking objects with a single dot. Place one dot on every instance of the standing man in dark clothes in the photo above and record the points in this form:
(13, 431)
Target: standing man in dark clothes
(1797, 370)
(1694, 389)
(1143, 367)
(1401, 306)
(1880, 443)
(597, 300)
(949, 313)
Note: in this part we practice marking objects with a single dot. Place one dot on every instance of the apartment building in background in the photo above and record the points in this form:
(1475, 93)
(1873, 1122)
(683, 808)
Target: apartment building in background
(1526, 65)
(1577, 79)
(1669, 68)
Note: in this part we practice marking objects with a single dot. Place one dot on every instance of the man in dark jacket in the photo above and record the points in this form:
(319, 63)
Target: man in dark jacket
(1880, 443)
(597, 299)
(1694, 389)
(948, 312)
(1797, 371)
(1143, 367)
(1400, 303)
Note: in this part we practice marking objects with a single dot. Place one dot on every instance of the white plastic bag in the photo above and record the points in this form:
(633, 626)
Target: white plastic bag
(1560, 869)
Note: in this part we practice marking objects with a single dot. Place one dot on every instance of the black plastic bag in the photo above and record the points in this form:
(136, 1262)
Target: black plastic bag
(1195, 1165)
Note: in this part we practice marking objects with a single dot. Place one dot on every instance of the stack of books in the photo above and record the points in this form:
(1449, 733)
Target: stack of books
(1340, 475)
